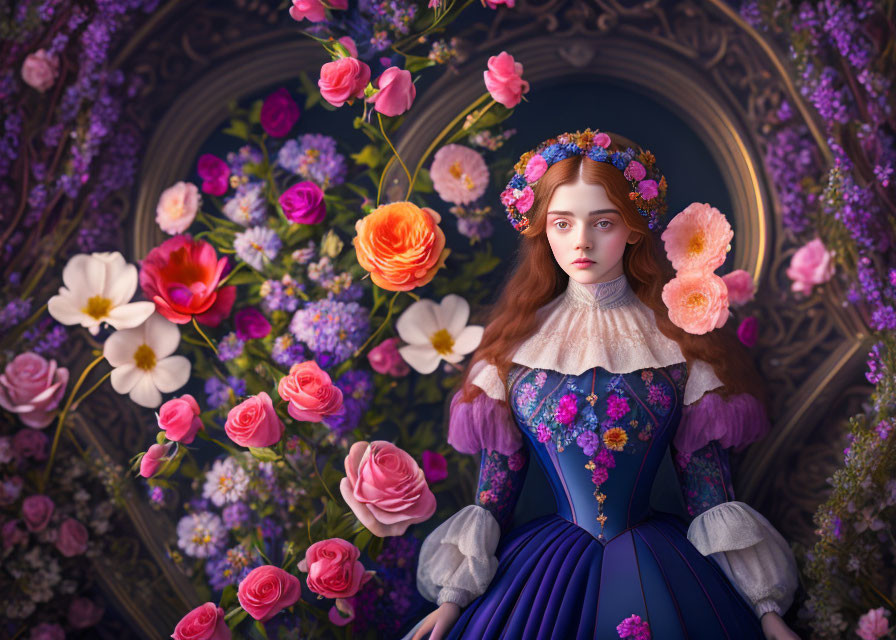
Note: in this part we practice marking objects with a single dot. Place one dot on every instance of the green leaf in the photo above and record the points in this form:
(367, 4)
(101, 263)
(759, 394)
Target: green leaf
(259, 627)
(265, 454)
(228, 597)
(369, 156)
(255, 112)
(417, 63)
(238, 129)
(363, 539)
(160, 437)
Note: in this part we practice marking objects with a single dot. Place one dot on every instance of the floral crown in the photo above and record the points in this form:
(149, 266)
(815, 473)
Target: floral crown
(639, 168)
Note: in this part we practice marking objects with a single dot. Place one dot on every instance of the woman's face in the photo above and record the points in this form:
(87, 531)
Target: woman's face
(586, 232)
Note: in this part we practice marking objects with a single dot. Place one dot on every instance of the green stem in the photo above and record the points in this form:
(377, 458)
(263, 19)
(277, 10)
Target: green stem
(379, 118)
(360, 349)
(202, 333)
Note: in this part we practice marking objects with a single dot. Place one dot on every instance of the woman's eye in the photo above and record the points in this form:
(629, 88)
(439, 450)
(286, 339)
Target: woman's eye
(604, 224)
(561, 222)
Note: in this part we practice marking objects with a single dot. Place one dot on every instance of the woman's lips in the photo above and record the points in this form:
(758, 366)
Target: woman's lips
(583, 264)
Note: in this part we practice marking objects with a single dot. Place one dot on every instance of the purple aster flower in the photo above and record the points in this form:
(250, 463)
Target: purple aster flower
(286, 351)
(256, 246)
(281, 295)
(589, 442)
(314, 157)
(246, 154)
(218, 392)
(230, 347)
(475, 229)
(248, 206)
(333, 330)
(357, 394)
(236, 515)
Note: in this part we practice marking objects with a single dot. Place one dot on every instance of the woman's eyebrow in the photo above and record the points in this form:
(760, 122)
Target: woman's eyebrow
(592, 213)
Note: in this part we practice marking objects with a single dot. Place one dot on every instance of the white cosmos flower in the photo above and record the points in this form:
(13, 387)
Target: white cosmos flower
(142, 361)
(437, 331)
(98, 288)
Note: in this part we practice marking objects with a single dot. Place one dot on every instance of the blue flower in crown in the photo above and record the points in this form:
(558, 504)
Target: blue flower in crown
(618, 160)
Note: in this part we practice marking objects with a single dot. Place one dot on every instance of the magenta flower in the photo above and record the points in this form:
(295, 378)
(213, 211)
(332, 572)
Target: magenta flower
(599, 475)
(633, 627)
(617, 407)
(566, 409)
(543, 433)
(215, 174)
(435, 467)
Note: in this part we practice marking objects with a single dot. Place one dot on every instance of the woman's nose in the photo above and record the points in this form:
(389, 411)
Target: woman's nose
(583, 241)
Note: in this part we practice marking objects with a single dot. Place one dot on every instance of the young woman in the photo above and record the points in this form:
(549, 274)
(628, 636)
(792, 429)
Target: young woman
(581, 367)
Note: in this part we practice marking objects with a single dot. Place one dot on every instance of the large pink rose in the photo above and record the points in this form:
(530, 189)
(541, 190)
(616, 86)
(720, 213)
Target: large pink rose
(343, 80)
(333, 568)
(385, 488)
(40, 70)
(310, 392)
(205, 622)
(72, 538)
(254, 423)
(32, 387)
(267, 590)
(84, 613)
(697, 302)
(181, 276)
(396, 92)
(279, 113)
(809, 266)
(311, 10)
(179, 419)
(741, 288)
(385, 358)
(504, 80)
(36, 512)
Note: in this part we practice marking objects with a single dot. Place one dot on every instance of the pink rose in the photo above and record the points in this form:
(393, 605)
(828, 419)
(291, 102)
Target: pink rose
(177, 207)
(179, 419)
(648, 189)
(343, 80)
(396, 92)
(333, 568)
(873, 624)
(504, 80)
(254, 423)
(40, 70)
(809, 266)
(740, 287)
(267, 590)
(32, 387)
(349, 44)
(535, 168)
(28, 443)
(36, 512)
(12, 534)
(84, 613)
(303, 203)
(525, 200)
(215, 174)
(634, 171)
(748, 331)
(47, 631)
(435, 467)
(385, 488)
(279, 113)
(602, 140)
(153, 460)
(310, 392)
(72, 538)
(312, 10)
(385, 358)
(494, 4)
(205, 622)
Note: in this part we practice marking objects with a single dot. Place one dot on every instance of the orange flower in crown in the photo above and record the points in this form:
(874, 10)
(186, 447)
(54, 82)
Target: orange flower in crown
(401, 245)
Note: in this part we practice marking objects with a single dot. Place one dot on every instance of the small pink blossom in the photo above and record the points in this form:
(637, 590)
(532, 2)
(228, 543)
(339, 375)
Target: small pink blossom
(153, 460)
(279, 113)
(28, 443)
(516, 461)
(179, 419)
(435, 467)
(543, 433)
(741, 288)
(873, 624)
(312, 10)
(535, 168)
(524, 199)
(698, 303)
(342, 612)
(385, 358)
(566, 409)
(72, 538)
(812, 264)
(177, 207)
(251, 324)
(396, 92)
(507, 197)
(459, 174)
(648, 189)
(633, 627)
(350, 45)
(12, 534)
(602, 140)
(32, 387)
(504, 80)
(40, 70)
(215, 174)
(494, 4)
(84, 613)
(617, 407)
(605, 459)
(599, 475)
(634, 171)
(343, 80)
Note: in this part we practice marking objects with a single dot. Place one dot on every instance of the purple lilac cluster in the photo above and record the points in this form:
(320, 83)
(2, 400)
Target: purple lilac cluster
(281, 295)
(230, 347)
(286, 351)
(314, 157)
(45, 338)
(218, 392)
(357, 394)
(386, 603)
(14, 312)
(246, 154)
(333, 330)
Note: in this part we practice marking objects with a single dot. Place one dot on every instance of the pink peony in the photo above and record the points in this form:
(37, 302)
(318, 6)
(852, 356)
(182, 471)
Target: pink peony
(810, 265)
(873, 624)
(267, 590)
(525, 200)
(385, 358)
(504, 80)
(535, 168)
(28, 443)
(697, 302)
(36, 512)
(179, 419)
(32, 387)
(177, 207)
(84, 613)
(435, 467)
(310, 392)
(698, 238)
(254, 423)
(333, 568)
(72, 538)
(396, 92)
(215, 174)
(350, 45)
(635, 171)
(279, 112)
(312, 10)
(40, 70)
(343, 80)
(303, 203)
(153, 459)
(741, 288)
(602, 140)
(47, 631)
(385, 488)
(205, 622)
(459, 174)
(748, 331)
(251, 324)
(648, 189)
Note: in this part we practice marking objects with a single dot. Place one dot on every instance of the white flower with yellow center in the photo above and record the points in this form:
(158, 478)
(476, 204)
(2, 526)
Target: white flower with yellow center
(98, 288)
(142, 361)
(437, 332)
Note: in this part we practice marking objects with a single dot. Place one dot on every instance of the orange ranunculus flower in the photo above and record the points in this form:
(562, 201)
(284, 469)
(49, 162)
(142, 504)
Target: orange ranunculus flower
(401, 245)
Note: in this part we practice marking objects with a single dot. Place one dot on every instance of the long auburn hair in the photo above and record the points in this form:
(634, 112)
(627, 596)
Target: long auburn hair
(536, 279)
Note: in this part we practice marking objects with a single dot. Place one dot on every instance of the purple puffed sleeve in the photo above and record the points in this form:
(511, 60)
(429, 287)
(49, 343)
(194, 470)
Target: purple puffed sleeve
(484, 423)
(734, 422)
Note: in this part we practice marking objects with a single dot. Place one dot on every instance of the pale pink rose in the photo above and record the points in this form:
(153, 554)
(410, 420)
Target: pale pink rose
(494, 4)
(310, 392)
(741, 288)
(343, 80)
(84, 613)
(634, 171)
(525, 200)
(334, 569)
(349, 44)
(535, 168)
(459, 174)
(504, 80)
(177, 207)
(179, 419)
(47, 631)
(36, 512)
(648, 189)
(396, 92)
(72, 538)
(267, 590)
(28, 443)
(435, 467)
(385, 488)
(205, 622)
(40, 70)
(343, 611)
(12, 534)
(874, 624)
(254, 423)
(153, 459)
(312, 10)
(748, 331)
(602, 140)
(385, 358)
(697, 302)
(32, 387)
(698, 238)
(811, 265)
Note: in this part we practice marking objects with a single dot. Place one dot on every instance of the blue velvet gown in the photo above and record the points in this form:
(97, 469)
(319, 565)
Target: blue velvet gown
(606, 555)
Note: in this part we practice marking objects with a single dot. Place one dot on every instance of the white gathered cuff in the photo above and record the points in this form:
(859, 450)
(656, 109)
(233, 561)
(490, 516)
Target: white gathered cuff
(457, 560)
(750, 551)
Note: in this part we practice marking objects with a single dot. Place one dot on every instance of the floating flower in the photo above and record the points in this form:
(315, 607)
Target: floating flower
(436, 332)
(812, 264)
(215, 174)
(98, 289)
(32, 387)
(225, 482)
(504, 80)
(615, 438)
(177, 207)
(279, 113)
(873, 624)
(343, 80)
(248, 205)
(201, 534)
(314, 157)
(396, 92)
(698, 238)
(459, 174)
(40, 70)
(142, 361)
(334, 568)
(741, 287)
(257, 246)
(697, 303)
